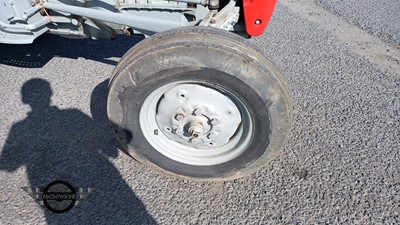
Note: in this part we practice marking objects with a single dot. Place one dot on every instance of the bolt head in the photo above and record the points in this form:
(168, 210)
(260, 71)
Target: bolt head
(194, 141)
(195, 131)
(179, 116)
(214, 122)
(179, 132)
(198, 111)
(74, 22)
(257, 22)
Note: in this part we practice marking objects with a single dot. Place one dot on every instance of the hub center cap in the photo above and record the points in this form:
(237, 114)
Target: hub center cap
(197, 116)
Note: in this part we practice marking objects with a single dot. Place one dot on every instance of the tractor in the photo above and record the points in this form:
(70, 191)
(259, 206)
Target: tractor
(194, 99)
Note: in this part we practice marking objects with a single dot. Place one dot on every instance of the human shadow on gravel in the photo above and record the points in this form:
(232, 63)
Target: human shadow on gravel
(66, 144)
(47, 46)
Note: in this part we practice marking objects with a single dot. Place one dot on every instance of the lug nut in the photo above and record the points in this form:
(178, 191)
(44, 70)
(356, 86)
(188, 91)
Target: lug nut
(198, 111)
(214, 122)
(179, 116)
(194, 140)
(179, 132)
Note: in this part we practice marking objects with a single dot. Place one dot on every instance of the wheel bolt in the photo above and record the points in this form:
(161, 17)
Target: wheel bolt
(214, 122)
(179, 132)
(198, 111)
(194, 140)
(179, 116)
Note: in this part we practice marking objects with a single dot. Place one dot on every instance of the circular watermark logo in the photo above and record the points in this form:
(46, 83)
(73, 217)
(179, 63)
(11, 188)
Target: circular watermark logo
(59, 196)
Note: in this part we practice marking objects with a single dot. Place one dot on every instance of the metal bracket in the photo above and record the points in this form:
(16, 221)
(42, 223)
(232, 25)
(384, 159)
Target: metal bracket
(207, 19)
(224, 19)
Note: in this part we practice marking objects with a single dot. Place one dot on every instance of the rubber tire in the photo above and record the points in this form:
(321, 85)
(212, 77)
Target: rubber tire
(214, 58)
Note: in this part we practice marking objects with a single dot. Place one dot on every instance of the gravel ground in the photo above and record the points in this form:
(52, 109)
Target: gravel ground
(380, 18)
(340, 165)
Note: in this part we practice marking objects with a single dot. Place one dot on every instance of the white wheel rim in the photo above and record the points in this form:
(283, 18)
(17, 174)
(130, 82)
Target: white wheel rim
(194, 124)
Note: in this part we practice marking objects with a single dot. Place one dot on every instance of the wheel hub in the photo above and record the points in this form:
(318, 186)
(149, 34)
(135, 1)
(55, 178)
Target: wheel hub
(197, 116)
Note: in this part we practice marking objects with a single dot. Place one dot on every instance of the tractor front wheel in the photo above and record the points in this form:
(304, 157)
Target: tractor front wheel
(199, 103)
